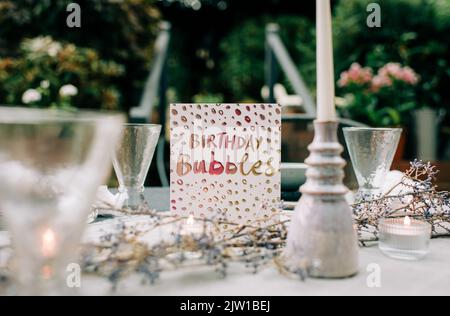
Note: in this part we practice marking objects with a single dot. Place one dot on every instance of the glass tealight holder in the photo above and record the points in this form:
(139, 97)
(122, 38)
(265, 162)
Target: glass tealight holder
(51, 163)
(404, 238)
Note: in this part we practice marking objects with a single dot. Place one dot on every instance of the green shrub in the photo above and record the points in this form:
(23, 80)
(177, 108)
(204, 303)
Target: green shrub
(382, 99)
(56, 74)
(242, 67)
(121, 31)
(208, 98)
(412, 32)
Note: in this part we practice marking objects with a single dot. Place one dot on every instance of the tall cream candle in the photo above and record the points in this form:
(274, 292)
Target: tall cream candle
(325, 70)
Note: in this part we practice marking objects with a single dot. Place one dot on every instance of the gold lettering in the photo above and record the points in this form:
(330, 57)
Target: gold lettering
(183, 167)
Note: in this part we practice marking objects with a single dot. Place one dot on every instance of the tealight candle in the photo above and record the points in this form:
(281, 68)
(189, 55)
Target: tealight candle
(48, 249)
(404, 238)
(192, 227)
(48, 243)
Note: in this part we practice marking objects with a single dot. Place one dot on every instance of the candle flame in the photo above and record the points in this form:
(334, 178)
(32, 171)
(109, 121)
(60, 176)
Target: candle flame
(48, 243)
(190, 220)
(407, 221)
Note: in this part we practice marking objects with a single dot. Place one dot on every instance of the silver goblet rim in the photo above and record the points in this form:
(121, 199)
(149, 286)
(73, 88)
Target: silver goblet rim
(375, 129)
(148, 125)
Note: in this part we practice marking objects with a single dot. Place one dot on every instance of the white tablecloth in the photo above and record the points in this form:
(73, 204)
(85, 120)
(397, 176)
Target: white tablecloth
(430, 276)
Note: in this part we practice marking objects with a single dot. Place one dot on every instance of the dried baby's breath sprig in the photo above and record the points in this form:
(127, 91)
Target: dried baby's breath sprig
(256, 245)
(219, 244)
(260, 243)
(415, 195)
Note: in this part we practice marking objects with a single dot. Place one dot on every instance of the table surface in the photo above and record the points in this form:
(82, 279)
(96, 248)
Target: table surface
(430, 276)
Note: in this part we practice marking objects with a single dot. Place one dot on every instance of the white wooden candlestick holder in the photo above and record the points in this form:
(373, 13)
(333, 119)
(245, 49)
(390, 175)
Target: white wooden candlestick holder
(321, 231)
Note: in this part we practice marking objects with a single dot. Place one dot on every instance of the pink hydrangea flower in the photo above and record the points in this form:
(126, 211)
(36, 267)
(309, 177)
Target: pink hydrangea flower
(356, 74)
(397, 72)
(393, 71)
(409, 76)
(385, 77)
(380, 81)
(343, 80)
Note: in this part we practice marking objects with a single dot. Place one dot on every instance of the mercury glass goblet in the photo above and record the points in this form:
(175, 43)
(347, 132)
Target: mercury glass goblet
(51, 163)
(371, 151)
(132, 160)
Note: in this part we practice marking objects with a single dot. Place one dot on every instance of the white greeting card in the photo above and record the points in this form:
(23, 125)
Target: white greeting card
(225, 159)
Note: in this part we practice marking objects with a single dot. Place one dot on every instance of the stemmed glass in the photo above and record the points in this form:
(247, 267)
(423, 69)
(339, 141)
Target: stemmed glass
(51, 163)
(371, 151)
(132, 160)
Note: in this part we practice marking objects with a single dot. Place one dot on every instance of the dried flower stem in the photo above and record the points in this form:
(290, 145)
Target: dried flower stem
(255, 245)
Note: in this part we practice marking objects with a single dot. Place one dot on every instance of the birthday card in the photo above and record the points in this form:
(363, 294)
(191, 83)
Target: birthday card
(225, 159)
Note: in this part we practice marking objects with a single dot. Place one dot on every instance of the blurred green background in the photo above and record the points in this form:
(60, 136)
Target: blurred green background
(217, 53)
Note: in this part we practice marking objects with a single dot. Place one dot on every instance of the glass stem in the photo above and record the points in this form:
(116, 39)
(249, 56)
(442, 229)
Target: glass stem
(135, 196)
